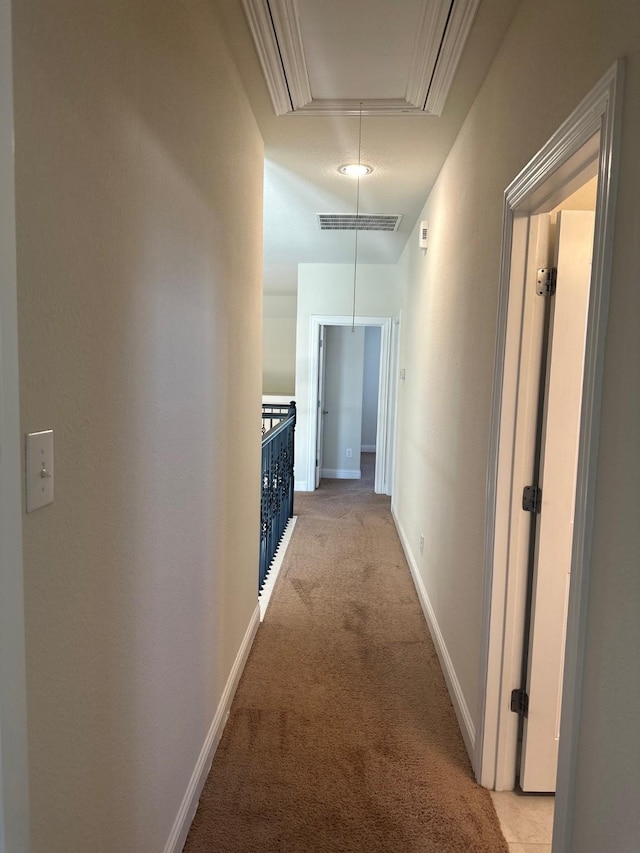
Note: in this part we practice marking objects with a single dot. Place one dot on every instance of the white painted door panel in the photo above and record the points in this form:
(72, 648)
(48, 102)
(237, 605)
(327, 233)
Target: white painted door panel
(558, 483)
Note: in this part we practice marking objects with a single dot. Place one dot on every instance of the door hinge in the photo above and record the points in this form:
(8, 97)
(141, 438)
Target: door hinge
(520, 702)
(532, 498)
(317, 462)
(546, 281)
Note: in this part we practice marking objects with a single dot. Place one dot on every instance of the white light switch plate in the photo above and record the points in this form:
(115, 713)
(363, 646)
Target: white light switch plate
(39, 477)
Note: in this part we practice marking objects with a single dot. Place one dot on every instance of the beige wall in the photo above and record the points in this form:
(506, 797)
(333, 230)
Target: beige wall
(279, 344)
(140, 320)
(447, 349)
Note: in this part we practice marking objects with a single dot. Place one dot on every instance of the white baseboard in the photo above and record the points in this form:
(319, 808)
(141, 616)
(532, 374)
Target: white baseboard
(301, 486)
(368, 448)
(267, 590)
(189, 804)
(340, 474)
(465, 720)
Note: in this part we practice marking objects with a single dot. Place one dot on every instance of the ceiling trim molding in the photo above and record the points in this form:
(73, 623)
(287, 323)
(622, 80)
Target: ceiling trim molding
(443, 30)
(286, 25)
(463, 14)
(384, 106)
(433, 22)
(264, 39)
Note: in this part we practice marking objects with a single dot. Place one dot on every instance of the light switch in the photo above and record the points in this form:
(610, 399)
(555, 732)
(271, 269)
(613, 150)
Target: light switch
(39, 475)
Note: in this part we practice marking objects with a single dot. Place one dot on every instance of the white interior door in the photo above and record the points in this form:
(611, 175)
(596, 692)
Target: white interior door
(552, 572)
(320, 404)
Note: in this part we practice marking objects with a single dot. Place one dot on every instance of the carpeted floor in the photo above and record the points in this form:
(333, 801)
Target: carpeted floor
(342, 737)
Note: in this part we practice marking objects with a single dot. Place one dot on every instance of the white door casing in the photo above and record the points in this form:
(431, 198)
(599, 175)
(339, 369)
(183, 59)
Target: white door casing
(322, 360)
(554, 532)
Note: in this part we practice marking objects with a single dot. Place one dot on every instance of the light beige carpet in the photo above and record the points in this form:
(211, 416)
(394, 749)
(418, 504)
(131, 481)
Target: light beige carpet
(342, 736)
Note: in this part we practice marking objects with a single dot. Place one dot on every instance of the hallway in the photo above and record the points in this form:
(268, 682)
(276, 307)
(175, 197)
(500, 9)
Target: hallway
(341, 735)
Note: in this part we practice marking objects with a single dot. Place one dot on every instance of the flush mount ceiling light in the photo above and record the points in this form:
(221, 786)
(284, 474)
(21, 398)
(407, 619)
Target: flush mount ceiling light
(355, 170)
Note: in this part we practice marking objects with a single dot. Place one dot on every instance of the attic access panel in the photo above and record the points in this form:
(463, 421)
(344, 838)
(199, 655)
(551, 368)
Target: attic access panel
(354, 52)
(328, 59)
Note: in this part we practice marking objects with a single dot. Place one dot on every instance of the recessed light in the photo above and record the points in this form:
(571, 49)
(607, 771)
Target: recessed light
(355, 170)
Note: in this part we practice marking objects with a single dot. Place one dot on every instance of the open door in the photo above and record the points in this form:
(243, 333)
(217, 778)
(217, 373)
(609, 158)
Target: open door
(558, 472)
(320, 407)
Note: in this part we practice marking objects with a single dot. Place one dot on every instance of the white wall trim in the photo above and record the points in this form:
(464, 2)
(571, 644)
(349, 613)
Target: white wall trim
(599, 113)
(382, 483)
(392, 410)
(189, 804)
(368, 448)
(341, 474)
(384, 448)
(14, 789)
(463, 714)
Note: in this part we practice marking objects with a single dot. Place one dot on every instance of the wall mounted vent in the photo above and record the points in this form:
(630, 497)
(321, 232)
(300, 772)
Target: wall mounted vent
(363, 222)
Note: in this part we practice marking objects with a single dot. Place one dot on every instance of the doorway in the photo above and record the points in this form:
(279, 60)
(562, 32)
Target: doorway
(386, 393)
(585, 146)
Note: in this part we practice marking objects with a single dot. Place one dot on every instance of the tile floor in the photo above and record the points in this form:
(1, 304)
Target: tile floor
(527, 822)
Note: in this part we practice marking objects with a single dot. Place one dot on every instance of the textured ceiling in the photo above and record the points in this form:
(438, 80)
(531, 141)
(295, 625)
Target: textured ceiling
(303, 153)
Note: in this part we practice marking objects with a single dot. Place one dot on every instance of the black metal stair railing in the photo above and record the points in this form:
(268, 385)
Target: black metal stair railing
(276, 505)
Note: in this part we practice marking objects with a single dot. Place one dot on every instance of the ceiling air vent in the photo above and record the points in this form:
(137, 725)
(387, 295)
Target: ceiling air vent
(363, 222)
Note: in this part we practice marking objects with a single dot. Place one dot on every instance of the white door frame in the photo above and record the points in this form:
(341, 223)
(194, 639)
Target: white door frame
(14, 818)
(591, 133)
(384, 452)
(322, 361)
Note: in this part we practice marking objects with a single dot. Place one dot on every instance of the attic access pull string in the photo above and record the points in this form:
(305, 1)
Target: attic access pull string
(355, 255)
